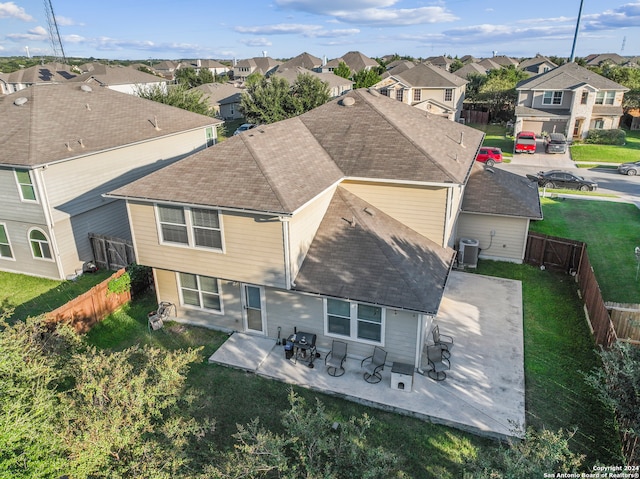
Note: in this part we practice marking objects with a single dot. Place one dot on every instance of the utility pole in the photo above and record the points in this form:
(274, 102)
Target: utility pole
(54, 33)
(575, 36)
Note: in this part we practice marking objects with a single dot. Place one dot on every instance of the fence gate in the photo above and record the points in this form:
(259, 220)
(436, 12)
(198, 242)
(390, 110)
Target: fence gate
(555, 253)
(111, 253)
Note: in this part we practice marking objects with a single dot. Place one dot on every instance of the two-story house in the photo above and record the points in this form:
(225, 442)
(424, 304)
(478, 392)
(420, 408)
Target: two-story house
(65, 145)
(337, 85)
(25, 77)
(568, 99)
(120, 78)
(356, 61)
(339, 222)
(263, 65)
(536, 65)
(426, 87)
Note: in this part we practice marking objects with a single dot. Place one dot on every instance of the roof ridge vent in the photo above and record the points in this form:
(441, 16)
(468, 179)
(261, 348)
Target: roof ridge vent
(20, 101)
(348, 101)
(373, 91)
(155, 123)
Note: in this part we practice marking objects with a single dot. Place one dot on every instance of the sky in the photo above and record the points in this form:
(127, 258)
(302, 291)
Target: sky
(237, 29)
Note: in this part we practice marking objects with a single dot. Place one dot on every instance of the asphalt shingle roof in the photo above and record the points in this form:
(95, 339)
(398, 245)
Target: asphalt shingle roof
(362, 254)
(569, 77)
(62, 121)
(429, 76)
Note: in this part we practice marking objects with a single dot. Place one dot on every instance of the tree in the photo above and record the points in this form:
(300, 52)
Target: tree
(178, 95)
(498, 91)
(310, 90)
(314, 446)
(628, 77)
(68, 409)
(342, 70)
(456, 65)
(366, 78)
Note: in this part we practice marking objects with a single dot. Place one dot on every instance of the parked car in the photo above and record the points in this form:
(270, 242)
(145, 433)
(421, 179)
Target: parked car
(630, 169)
(244, 127)
(563, 180)
(489, 155)
(555, 143)
(525, 142)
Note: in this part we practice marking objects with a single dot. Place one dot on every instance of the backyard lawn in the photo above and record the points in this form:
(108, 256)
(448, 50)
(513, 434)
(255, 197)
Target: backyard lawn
(495, 135)
(609, 153)
(611, 231)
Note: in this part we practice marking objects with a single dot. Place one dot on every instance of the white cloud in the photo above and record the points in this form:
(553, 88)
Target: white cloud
(11, 10)
(256, 42)
(35, 34)
(66, 21)
(309, 31)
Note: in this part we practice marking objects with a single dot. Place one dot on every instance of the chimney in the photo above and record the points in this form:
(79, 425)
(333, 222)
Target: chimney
(264, 53)
(199, 63)
(324, 60)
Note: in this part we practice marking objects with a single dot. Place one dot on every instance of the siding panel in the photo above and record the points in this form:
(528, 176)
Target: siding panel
(508, 242)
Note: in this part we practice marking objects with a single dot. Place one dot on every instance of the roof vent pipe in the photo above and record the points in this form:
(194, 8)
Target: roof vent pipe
(20, 101)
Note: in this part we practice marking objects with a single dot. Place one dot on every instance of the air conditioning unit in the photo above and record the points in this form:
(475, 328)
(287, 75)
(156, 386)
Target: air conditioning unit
(468, 251)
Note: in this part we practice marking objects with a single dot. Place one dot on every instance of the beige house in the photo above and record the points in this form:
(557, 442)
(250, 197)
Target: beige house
(356, 61)
(65, 145)
(263, 65)
(120, 78)
(346, 233)
(25, 77)
(568, 99)
(337, 85)
(223, 99)
(536, 65)
(427, 87)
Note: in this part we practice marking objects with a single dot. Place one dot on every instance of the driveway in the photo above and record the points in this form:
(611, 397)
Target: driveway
(543, 161)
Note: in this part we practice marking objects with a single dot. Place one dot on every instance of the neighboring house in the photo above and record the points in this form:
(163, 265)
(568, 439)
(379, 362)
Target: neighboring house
(399, 66)
(346, 232)
(356, 62)
(337, 85)
(505, 61)
(496, 211)
(426, 87)
(470, 69)
(166, 68)
(489, 64)
(218, 94)
(216, 68)
(569, 99)
(25, 77)
(440, 61)
(538, 64)
(599, 59)
(304, 60)
(263, 65)
(468, 59)
(65, 145)
(120, 78)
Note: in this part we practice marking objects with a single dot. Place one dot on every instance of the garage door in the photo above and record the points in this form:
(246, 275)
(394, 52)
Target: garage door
(534, 126)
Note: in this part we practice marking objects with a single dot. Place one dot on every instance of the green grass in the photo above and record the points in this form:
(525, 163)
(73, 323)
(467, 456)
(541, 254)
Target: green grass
(32, 296)
(609, 153)
(495, 135)
(611, 231)
(228, 127)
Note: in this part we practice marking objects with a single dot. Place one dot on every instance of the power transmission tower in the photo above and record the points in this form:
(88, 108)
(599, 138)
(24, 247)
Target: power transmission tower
(54, 33)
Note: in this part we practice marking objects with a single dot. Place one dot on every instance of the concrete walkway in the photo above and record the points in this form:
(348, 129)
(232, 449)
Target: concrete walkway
(484, 390)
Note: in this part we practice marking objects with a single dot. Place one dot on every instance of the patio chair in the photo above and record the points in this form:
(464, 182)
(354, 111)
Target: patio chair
(438, 362)
(441, 339)
(156, 318)
(335, 358)
(374, 365)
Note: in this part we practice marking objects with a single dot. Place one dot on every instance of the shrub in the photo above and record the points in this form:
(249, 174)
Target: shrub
(140, 278)
(606, 137)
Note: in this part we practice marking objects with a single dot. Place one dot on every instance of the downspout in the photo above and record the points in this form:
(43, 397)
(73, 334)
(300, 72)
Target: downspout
(46, 208)
(287, 251)
(419, 343)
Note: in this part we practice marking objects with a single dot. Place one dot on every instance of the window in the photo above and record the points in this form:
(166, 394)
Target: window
(552, 98)
(355, 321)
(210, 138)
(598, 124)
(585, 96)
(25, 185)
(417, 94)
(200, 292)
(605, 97)
(448, 94)
(5, 244)
(399, 94)
(195, 227)
(40, 247)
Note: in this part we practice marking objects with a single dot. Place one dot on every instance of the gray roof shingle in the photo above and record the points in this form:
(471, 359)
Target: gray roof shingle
(569, 76)
(362, 254)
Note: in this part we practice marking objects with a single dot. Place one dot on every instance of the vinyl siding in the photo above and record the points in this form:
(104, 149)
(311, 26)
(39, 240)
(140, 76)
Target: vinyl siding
(303, 226)
(13, 208)
(76, 186)
(253, 248)
(24, 262)
(419, 207)
(507, 244)
(454, 212)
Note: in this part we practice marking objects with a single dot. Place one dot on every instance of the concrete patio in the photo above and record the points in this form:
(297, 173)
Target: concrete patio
(484, 392)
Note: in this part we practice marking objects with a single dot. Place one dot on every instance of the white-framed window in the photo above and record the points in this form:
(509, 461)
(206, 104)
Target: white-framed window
(40, 246)
(25, 185)
(5, 243)
(417, 94)
(552, 98)
(202, 292)
(584, 98)
(211, 139)
(193, 227)
(605, 97)
(399, 94)
(448, 94)
(355, 321)
(598, 124)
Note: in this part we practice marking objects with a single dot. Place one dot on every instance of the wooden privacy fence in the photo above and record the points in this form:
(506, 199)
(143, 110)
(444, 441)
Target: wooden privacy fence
(626, 321)
(91, 307)
(475, 116)
(111, 253)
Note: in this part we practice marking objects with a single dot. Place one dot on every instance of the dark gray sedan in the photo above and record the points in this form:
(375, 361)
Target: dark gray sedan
(558, 179)
(630, 169)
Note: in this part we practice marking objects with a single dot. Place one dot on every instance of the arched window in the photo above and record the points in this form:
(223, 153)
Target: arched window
(40, 247)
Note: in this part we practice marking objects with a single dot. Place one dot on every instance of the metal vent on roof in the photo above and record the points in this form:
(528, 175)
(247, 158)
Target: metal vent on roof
(86, 88)
(348, 101)
(20, 101)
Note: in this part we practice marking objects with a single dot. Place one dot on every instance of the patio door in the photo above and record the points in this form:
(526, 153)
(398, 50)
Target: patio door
(253, 306)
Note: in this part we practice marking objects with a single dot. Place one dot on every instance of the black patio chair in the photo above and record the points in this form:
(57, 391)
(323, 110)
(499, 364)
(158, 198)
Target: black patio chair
(156, 318)
(438, 362)
(441, 339)
(335, 358)
(375, 364)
